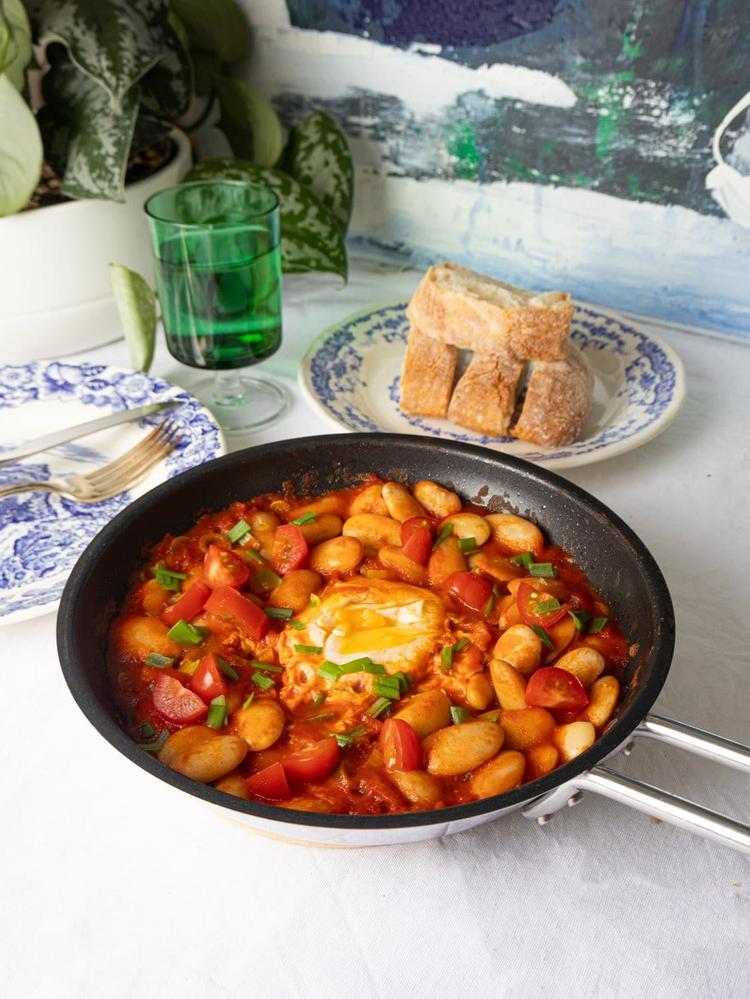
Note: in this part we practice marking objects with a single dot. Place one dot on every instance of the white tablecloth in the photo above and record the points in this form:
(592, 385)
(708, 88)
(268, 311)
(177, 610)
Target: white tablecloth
(115, 885)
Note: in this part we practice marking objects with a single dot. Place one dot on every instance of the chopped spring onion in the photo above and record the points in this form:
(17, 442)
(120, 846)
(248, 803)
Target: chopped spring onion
(446, 656)
(597, 624)
(155, 746)
(185, 633)
(313, 650)
(217, 712)
(546, 640)
(387, 686)
(329, 671)
(267, 578)
(167, 579)
(314, 600)
(404, 681)
(227, 669)
(547, 606)
(580, 618)
(362, 665)
(147, 730)
(445, 532)
(157, 660)
(318, 698)
(490, 605)
(266, 667)
(251, 553)
(189, 666)
(306, 518)
(345, 739)
(323, 716)
(542, 569)
(238, 532)
(248, 700)
(279, 613)
(297, 625)
(378, 707)
(459, 715)
(262, 681)
(468, 545)
(525, 559)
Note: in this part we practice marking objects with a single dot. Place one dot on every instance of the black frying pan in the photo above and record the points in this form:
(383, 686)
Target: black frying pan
(612, 556)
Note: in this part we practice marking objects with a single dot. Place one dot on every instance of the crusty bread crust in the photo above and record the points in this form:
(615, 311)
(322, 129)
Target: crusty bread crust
(485, 395)
(558, 401)
(427, 376)
(472, 312)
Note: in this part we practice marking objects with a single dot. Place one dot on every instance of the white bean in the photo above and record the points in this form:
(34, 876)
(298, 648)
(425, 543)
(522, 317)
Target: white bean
(437, 500)
(426, 712)
(417, 787)
(260, 724)
(202, 754)
(516, 533)
(521, 647)
(373, 530)
(400, 502)
(461, 748)
(469, 525)
(499, 775)
(585, 663)
(573, 739)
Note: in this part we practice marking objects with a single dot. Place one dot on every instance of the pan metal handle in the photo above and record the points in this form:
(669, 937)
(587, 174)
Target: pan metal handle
(653, 800)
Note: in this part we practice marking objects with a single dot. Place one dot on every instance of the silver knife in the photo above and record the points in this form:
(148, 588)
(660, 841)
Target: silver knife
(84, 429)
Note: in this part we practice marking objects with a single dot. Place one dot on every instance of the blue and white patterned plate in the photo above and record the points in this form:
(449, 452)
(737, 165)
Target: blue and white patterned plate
(352, 371)
(41, 534)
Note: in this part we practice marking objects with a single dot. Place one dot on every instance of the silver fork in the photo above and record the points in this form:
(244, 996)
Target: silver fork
(109, 480)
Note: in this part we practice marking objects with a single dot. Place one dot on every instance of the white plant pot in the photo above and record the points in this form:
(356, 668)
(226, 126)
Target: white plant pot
(54, 263)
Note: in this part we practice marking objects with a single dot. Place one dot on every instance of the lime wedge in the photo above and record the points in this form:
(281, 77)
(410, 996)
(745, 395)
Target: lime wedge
(136, 304)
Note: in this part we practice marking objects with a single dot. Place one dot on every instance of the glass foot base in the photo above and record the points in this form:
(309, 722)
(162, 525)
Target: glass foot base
(242, 402)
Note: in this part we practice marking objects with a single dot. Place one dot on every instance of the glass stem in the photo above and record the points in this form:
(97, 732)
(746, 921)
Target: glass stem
(228, 389)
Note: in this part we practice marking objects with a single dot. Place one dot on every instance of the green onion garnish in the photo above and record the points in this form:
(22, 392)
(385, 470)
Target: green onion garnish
(157, 660)
(262, 681)
(154, 747)
(468, 545)
(404, 680)
(580, 618)
(524, 559)
(446, 656)
(147, 730)
(305, 518)
(323, 716)
(297, 625)
(543, 569)
(362, 665)
(490, 605)
(345, 739)
(459, 715)
(597, 624)
(267, 578)
(251, 552)
(329, 671)
(227, 669)
(167, 579)
(185, 633)
(387, 686)
(539, 630)
(279, 613)
(248, 700)
(238, 532)
(547, 606)
(378, 707)
(318, 698)
(266, 667)
(217, 712)
(312, 650)
(445, 532)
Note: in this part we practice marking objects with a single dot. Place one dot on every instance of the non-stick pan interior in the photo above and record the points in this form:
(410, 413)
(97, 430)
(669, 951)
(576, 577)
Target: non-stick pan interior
(613, 558)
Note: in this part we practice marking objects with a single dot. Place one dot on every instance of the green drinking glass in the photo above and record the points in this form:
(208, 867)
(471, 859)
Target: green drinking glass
(218, 276)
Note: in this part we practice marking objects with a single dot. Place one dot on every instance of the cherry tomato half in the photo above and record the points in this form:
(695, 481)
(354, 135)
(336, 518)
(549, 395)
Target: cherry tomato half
(400, 746)
(409, 526)
(472, 590)
(555, 688)
(175, 702)
(207, 680)
(188, 605)
(290, 549)
(419, 545)
(223, 568)
(270, 782)
(315, 763)
(529, 598)
(226, 602)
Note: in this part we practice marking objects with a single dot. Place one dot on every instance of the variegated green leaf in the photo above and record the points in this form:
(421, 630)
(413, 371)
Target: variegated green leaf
(86, 141)
(115, 42)
(136, 304)
(250, 124)
(317, 155)
(311, 238)
(206, 67)
(167, 88)
(20, 149)
(217, 26)
(15, 41)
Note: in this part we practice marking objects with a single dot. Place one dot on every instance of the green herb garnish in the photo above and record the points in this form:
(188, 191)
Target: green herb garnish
(597, 624)
(547, 606)
(248, 700)
(147, 730)
(544, 570)
(158, 661)
(329, 671)
(445, 532)
(362, 665)
(262, 681)
(238, 532)
(227, 669)
(167, 579)
(217, 712)
(539, 630)
(185, 633)
(305, 518)
(155, 746)
(266, 667)
(468, 545)
(279, 613)
(580, 618)
(524, 559)
(345, 739)
(297, 625)
(378, 707)
(459, 715)
(446, 656)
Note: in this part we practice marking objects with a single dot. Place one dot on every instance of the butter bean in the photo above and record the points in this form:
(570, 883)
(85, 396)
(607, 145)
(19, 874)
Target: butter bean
(516, 533)
(417, 787)
(499, 775)
(468, 525)
(202, 753)
(461, 748)
(294, 590)
(373, 530)
(260, 724)
(408, 570)
(337, 556)
(437, 500)
(400, 502)
(325, 526)
(603, 698)
(370, 500)
(509, 684)
(426, 712)
(584, 663)
(479, 692)
(446, 559)
(521, 647)
(573, 739)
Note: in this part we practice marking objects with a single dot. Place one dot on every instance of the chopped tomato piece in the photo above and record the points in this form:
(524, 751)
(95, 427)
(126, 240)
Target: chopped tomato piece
(557, 689)
(530, 598)
(315, 763)
(189, 604)
(207, 680)
(226, 602)
(177, 703)
(290, 549)
(400, 746)
(419, 545)
(270, 782)
(414, 523)
(472, 590)
(223, 568)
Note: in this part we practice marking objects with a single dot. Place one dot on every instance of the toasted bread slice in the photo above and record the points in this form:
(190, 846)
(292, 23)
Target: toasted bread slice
(470, 311)
(427, 375)
(558, 401)
(485, 395)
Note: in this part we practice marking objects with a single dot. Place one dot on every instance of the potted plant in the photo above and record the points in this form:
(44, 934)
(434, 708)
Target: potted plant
(90, 98)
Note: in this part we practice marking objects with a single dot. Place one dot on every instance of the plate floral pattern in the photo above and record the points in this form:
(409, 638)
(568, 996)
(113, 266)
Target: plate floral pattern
(352, 375)
(41, 534)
